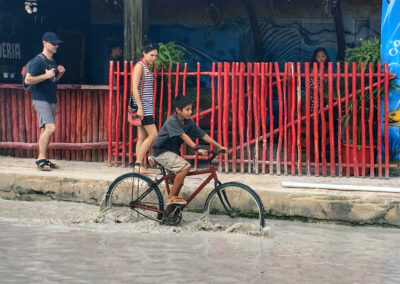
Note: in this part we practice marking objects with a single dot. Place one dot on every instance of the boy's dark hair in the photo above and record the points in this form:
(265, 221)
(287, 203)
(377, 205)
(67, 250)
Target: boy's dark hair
(181, 101)
(147, 47)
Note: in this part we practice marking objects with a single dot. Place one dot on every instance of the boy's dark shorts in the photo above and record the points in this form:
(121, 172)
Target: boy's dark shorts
(148, 120)
(172, 162)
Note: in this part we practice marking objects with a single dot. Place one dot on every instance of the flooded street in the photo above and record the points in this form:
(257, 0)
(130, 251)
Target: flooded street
(60, 242)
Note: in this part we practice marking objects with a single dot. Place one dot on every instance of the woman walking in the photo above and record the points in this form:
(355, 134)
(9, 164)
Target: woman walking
(142, 93)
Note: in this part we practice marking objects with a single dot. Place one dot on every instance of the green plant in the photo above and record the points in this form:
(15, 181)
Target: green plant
(169, 54)
(367, 51)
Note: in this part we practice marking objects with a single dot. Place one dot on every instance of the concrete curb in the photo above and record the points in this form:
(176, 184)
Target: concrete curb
(87, 182)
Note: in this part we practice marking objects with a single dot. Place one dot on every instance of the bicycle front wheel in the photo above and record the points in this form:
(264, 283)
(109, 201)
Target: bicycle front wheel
(232, 203)
(135, 195)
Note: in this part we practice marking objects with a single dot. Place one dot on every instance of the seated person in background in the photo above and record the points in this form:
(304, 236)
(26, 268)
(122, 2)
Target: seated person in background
(320, 55)
(179, 128)
(115, 49)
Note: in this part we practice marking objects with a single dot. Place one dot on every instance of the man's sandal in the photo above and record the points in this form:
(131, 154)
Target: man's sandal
(52, 165)
(43, 165)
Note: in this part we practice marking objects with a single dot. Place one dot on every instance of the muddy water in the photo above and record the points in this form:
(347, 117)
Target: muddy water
(59, 242)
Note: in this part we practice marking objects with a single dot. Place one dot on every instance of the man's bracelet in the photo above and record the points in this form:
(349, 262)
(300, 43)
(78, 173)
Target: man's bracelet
(196, 147)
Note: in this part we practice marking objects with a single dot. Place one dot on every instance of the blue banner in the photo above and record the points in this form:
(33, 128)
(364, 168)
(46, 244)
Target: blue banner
(390, 53)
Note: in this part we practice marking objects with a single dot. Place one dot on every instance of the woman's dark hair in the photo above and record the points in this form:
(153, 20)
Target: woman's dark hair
(149, 47)
(181, 102)
(314, 57)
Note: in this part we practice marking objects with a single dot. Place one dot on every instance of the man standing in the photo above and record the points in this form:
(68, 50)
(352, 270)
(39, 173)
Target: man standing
(43, 72)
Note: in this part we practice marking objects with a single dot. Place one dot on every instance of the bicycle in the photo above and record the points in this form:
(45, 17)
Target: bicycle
(142, 195)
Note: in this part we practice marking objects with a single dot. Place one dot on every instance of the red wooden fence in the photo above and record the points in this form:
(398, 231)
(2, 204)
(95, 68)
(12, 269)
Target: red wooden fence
(81, 123)
(299, 119)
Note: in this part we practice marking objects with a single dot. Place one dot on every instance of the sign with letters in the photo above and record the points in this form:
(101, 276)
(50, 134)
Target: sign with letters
(10, 50)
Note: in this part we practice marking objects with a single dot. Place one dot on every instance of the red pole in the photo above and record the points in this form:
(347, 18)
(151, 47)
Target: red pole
(308, 128)
(212, 120)
(386, 123)
(241, 115)
(169, 91)
(249, 121)
(117, 118)
(155, 74)
(363, 141)
(256, 111)
(331, 126)
(370, 121)
(124, 112)
(339, 99)
(316, 128)
(299, 118)
(226, 112)
(271, 122)
(110, 100)
(292, 118)
(160, 108)
(219, 93)
(130, 141)
(286, 101)
(177, 80)
(234, 114)
(323, 121)
(184, 79)
(354, 122)
(197, 108)
(379, 114)
(263, 111)
(346, 84)
(280, 117)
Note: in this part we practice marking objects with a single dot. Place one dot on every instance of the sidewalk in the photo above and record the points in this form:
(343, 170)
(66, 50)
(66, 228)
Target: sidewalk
(88, 181)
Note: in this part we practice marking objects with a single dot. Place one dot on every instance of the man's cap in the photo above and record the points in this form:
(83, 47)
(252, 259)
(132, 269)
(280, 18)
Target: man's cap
(51, 37)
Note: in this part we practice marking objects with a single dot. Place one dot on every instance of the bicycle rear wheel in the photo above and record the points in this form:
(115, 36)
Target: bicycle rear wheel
(232, 203)
(134, 195)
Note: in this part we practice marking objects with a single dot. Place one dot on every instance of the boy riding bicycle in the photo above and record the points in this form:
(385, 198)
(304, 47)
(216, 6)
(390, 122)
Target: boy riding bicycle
(177, 129)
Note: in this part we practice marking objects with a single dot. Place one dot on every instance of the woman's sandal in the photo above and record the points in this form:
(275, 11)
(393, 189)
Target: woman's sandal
(43, 165)
(52, 165)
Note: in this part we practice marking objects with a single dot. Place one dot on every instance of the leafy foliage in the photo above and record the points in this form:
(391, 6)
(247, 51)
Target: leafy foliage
(367, 51)
(170, 54)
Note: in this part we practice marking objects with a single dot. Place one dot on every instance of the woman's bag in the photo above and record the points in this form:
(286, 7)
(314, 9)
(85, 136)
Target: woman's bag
(133, 117)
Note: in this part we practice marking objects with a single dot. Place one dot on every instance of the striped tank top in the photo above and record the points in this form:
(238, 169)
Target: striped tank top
(147, 96)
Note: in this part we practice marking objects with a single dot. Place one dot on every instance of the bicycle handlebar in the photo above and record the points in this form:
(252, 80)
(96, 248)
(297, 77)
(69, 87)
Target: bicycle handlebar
(213, 153)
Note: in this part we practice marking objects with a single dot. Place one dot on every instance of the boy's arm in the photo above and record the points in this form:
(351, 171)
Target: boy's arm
(191, 144)
(209, 140)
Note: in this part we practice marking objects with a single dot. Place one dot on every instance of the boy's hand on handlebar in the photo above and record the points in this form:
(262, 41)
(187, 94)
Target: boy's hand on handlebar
(223, 149)
(203, 152)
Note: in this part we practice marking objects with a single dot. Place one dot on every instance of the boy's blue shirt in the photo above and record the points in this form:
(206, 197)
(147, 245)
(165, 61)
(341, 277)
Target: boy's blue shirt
(168, 139)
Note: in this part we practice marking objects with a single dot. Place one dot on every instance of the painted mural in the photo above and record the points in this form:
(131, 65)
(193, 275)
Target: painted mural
(283, 39)
(390, 52)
